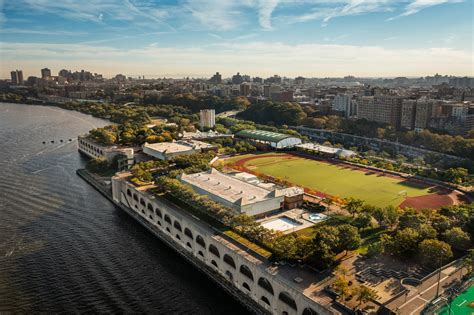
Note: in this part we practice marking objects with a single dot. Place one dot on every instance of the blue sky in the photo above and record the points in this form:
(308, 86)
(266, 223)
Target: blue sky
(258, 37)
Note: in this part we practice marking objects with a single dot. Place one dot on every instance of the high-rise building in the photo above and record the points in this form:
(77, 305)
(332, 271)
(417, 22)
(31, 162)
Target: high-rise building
(299, 80)
(45, 73)
(216, 78)
(257, 80)
(17, 77)
(237, 79)
(245, 89)
(343, 103)
(208, 118)
(407, 118)
(381, 108)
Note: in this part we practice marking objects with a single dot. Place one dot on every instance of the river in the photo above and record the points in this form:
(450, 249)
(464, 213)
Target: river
(64, 247)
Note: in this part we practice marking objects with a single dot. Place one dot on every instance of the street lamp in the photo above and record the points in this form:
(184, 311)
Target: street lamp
(439, 272)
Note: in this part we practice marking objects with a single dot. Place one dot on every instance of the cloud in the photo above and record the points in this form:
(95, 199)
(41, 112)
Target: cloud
(40, 32)
(418, 5)
(254, 58)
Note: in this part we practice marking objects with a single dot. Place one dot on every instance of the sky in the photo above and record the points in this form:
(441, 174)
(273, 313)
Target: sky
(196, 38)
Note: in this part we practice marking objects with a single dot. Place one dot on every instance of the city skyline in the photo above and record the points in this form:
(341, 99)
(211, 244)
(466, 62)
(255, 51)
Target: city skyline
(365, 38)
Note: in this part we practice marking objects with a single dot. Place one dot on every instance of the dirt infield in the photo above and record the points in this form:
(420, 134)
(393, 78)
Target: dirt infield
(438, 197)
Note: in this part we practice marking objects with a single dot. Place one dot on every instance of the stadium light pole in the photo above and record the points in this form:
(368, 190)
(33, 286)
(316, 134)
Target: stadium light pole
(439, 275)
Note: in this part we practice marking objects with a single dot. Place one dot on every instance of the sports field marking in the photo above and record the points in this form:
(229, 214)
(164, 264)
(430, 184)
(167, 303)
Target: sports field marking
(333, 179)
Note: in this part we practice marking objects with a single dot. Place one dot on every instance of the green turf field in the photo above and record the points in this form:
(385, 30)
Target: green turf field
(334, 180)
(461, 305)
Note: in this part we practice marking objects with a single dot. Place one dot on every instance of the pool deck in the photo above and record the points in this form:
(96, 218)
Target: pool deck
(300, 215)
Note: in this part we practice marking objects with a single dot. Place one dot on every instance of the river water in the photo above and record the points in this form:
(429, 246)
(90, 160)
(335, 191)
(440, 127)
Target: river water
(64, 247)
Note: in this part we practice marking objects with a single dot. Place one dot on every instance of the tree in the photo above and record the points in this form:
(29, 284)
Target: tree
(349, 238)
(457, 175)
(363, 220)
(457, 238)
(285, 247)
(353, 205)
(364, 294)
(341, 286)
(405, 241)
(433, 252)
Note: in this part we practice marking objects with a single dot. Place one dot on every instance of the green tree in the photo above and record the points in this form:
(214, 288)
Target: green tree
(353, 205)
(364, 294)
(341, 286)
(434, 252)
(349, 238)
(457, 238)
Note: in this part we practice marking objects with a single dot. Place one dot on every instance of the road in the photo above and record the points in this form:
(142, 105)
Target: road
(415, 300)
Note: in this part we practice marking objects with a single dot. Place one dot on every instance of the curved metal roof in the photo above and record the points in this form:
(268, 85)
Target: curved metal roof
(263, 135)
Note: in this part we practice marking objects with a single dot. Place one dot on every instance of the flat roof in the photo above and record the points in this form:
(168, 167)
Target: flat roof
(178, 146)
(228, 187)
(263, 135)
(168, 147)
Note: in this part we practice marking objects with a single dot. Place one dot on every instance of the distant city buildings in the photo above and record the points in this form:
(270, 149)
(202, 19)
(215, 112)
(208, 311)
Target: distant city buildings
(45, 73)
(17, 77)
(216, 78)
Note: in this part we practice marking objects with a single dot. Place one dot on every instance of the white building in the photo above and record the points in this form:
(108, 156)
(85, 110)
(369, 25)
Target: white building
(344, 103)
(325, 150)
(170, 150)
(234, 193)
(95, 150)
(208, 118)
(267, 138)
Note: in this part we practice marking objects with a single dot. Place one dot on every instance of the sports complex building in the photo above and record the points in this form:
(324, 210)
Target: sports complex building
(275, 140)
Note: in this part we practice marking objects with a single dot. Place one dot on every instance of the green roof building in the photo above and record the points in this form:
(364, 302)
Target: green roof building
(272, 139)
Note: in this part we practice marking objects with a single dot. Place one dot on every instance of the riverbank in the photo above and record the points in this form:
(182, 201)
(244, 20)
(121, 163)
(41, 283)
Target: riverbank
(105, 190)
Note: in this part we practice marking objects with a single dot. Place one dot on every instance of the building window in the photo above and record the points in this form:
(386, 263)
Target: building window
(189, 245)
(246, 272)
(167, 218)
(177, 225)
(265, 300)
(188, 233)
(150, 207)
(245, 285)
(214, 263)
(158, 212)
(129, 193)
(177, 236)
(265, 284)
(287, 299)
(214, 250)
(135, 197)
(200, 241)
(142, 202)
(309, 311)
(201, 254)
(229, 260)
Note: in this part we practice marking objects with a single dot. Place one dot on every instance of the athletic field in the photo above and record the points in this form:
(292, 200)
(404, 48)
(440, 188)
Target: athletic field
(336, 179)
(461, 305)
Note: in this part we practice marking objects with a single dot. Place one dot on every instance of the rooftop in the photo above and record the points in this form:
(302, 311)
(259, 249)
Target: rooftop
(227, 187)
(177, 146)
(263, 135)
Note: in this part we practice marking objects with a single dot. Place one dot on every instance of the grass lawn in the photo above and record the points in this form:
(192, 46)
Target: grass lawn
(334, 180)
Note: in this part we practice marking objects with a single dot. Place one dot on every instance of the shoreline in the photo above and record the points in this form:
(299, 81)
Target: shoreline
(240, 297)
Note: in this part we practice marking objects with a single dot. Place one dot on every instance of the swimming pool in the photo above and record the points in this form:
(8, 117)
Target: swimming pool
(280, 224)
(317, 217)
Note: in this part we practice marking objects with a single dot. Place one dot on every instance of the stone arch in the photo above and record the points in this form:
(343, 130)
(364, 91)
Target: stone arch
(286, 298)
(265, 284)
(188, 233)
(167, 218)
(309, 311)
(229, 260)
(177, 226)
(265, 300)
(246, 272)
(200, 241)
(214, 250)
